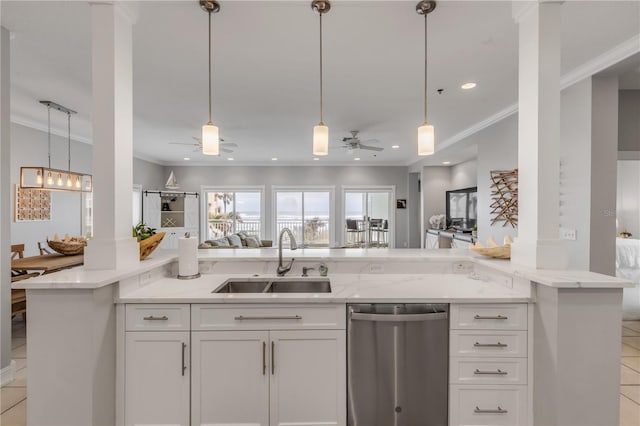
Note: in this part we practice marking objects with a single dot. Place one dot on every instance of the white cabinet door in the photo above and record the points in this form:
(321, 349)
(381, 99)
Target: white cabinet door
(230, 381)
(151, 209)
(432, 241)
(191, 212)
(157, 378)
(308, 378)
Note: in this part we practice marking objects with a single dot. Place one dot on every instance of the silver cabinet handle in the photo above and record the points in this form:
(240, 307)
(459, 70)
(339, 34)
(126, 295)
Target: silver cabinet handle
(152, 318)
(498, 410)
(273, 358)
(496, 317)
(290, 317)
(264, 358)
(496, 372)
(184, 366)
(490, 345)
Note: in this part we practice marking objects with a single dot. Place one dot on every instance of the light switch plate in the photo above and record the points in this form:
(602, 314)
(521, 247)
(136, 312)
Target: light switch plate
(568, 234)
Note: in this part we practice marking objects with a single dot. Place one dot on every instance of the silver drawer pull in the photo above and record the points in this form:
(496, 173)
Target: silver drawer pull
(497, 317)
(490, 345)
(498, 410)
(152, 318)
(496, 372)
(291, 317)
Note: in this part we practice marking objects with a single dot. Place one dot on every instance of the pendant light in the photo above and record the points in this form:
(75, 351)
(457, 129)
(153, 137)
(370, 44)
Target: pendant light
(43, 177)
(321, 132)
(210, 133)
(426, 134)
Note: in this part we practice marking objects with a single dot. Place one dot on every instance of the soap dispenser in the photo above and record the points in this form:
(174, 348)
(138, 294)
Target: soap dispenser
(323, 269)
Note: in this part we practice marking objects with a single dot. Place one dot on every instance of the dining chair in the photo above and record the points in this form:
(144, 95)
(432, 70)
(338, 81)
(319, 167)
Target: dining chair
(19, 296)
(375, 227)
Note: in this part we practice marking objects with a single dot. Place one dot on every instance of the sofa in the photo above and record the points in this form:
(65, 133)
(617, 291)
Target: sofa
(236, 241)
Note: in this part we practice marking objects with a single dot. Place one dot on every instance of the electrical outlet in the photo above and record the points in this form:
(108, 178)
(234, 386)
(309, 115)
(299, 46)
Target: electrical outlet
(462, 268)
(568, 234)
(145, 278)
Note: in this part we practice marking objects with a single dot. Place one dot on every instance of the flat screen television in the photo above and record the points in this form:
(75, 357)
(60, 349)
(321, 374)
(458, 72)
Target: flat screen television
(462, 208)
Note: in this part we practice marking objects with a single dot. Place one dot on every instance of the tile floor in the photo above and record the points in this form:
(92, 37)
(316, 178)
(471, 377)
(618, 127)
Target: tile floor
(14, 395)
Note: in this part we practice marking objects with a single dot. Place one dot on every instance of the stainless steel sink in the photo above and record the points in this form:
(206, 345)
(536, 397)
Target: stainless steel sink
(271, 285)
(299, 287)
(244, 286)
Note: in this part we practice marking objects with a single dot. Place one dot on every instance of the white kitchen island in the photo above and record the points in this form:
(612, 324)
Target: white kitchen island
(86, 327)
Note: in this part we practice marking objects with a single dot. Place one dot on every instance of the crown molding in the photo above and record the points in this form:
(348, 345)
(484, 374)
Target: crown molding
(37, 126)
(611, 57)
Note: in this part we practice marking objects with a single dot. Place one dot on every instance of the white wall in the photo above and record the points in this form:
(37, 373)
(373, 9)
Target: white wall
(497, 150)
(191, 178)
(628, 197)
(464, 175)
(413, 209)
(436, 181)
(148, 175)
(575, 169)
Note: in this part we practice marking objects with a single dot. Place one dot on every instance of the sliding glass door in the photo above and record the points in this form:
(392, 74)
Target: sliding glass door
(368, 217)
(307, 213)
(229, 211)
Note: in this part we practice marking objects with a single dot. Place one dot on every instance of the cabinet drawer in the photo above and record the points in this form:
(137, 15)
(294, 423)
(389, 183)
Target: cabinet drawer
(267, 317)
(487, 405)
(487, 371)
(149, 317)
(486, 343)
(489, 317)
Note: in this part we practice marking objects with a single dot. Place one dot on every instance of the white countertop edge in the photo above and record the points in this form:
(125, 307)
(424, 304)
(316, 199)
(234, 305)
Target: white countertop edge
(80, 278)
(336, 300)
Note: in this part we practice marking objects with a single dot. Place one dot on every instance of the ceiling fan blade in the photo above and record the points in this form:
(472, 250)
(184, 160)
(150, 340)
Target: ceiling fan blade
(371, 148)
(183, 143)
(371, 141)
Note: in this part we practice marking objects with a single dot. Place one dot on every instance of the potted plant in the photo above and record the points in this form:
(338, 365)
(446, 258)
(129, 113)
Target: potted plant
(148, 239)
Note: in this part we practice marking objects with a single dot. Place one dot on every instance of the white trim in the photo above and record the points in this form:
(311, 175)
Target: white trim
(390, 189)
(8, 374)
(21, 121)
(304, 188)
(611, 57)
(227, 188)
(628, 155)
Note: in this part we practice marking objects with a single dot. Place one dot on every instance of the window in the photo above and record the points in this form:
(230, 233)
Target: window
(229, 211)
(368, 217)
(308, 213)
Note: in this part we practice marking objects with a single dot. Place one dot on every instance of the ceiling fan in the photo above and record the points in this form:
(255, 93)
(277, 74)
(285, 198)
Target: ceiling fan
(353, 142)
(224, 146)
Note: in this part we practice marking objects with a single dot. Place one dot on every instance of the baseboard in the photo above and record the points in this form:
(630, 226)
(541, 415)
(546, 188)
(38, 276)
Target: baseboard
(8, 373)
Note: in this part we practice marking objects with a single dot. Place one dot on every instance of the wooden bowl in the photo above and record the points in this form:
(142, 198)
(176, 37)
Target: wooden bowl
(68, 248)
(501, 252)
(148, 245)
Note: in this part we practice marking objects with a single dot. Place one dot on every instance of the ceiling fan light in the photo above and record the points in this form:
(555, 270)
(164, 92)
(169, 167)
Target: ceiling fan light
(210, 139)
(426, 140)
(320, 140)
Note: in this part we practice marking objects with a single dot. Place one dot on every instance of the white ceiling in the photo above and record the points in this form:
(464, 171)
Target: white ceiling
(266, 71)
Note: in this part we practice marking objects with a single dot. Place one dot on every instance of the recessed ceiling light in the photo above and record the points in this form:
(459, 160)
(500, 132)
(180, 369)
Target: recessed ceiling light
(187, 158)
(230, 159)
(316, 159)
(274, 158)
(395, 146)
(446, 162)
(356, 159)
(468, 86)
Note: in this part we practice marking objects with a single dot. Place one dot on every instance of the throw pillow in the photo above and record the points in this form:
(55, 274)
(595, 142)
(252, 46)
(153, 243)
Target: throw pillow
(220, 242)
(253, 242)
(243, 237)
(234, 240)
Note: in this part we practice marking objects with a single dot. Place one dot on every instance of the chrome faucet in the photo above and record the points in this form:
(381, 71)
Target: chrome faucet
(282, 270)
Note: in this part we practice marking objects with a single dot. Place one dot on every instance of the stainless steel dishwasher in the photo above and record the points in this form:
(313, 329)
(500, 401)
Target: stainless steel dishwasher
(398, 359)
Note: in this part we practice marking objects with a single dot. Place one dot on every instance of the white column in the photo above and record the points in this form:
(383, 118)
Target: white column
(538, 244)
(6, 372)
(112, 246)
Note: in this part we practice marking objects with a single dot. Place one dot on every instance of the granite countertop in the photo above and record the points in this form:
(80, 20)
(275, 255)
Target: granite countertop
(347, 288)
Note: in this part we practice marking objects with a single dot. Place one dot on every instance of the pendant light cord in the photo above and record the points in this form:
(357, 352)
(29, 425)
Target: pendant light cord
(69, 139)
(49, 133)
(425, 68)
(321, 105)
(210, 91)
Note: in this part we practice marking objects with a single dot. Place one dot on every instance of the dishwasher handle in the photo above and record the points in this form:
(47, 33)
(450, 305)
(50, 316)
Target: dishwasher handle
(399, 317)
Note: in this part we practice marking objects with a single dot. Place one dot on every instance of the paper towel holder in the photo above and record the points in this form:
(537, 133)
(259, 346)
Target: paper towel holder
(188, 277)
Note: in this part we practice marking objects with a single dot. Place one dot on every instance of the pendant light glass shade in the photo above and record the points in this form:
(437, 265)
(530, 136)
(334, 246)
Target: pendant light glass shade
(426, 140)
(210, 139)
(320, 140)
